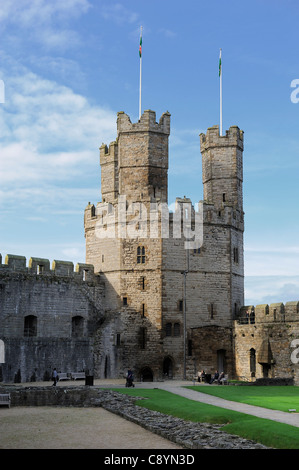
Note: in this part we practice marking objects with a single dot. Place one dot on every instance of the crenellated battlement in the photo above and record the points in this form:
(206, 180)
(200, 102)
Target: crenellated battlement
(108, 154)
(41, 267)
(233, 137)
(265, 313)
(146, 123)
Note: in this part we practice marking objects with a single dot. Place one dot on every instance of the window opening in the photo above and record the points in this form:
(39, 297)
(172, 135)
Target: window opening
(77, 326)
(140, 255)
(176, 329)
(30, 326)
(168, 329)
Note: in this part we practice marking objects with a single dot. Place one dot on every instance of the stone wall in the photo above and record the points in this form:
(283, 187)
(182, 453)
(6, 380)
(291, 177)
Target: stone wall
(265, 339)
(145, 296)
(48, 317)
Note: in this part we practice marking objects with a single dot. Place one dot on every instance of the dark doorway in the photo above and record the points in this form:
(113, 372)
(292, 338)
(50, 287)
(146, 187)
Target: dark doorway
(167, 368)
(221, 363)
(252, 362)
(107, 367)
(146, 375)
(266, 370)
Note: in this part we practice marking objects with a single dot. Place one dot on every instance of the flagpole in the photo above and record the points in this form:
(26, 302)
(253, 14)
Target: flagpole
(140, 78)
(220, 75)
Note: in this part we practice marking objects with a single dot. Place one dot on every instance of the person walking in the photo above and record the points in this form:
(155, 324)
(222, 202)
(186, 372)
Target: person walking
(55, 377)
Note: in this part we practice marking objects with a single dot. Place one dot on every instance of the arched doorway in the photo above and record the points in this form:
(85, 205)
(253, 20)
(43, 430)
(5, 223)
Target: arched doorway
(167, 368)
(252, 359)
(146, 375)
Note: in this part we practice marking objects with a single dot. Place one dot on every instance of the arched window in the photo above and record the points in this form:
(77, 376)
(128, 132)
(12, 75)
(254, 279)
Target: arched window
(168, 328)
(30, 325)
(77, 326)
(176, 329)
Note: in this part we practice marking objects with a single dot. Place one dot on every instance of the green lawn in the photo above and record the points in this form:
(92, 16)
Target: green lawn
(267, 432)
(280, 398)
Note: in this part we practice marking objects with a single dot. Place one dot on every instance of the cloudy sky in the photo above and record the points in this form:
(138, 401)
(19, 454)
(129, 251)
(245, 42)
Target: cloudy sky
(68, 68)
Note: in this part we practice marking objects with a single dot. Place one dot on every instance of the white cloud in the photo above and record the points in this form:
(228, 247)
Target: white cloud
(49, 131)
(118, 13)
(271, 289)
(40, 12)
(46, 22)
(280, 260)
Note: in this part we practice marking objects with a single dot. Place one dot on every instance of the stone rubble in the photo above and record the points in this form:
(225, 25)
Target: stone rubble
(185, 433)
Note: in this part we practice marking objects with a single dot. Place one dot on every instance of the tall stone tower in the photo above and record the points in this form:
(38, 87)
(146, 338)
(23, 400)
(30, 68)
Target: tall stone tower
(222, 164)
(119, 244)
(169, 306)
(218, 272)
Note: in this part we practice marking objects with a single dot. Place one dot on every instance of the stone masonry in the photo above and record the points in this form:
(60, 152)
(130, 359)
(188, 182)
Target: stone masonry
(162, 310)
(48, 317)
(161, 292)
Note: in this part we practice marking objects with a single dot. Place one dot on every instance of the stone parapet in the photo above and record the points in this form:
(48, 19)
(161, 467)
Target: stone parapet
(41, 267)
(146, 123)
(233, 137)
(265, 313)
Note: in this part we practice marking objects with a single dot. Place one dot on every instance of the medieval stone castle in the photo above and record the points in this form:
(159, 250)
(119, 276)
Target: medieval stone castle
(161, 292)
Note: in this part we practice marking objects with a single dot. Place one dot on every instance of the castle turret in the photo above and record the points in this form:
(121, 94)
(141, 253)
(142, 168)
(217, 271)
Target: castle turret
(222, 164)
(109, 171)
(222, 174)
(143, 156)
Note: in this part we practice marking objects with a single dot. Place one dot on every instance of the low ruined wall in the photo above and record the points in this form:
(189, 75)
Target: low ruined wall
(51, 396)
(275, 381)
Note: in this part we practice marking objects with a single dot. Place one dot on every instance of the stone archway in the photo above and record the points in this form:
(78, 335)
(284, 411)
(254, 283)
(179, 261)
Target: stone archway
(146, 375)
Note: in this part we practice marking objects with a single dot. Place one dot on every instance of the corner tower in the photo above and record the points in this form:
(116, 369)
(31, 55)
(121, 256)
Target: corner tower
(222, 174)
(222, 165)
(143, 156)
(136, 164)
(134, 171)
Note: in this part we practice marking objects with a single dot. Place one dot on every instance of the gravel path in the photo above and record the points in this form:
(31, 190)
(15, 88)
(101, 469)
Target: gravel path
(73, 428)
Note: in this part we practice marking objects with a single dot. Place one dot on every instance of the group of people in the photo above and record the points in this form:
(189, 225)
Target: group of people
(207, 378)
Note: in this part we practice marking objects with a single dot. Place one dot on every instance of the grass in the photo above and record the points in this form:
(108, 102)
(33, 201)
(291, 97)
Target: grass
(280, 398)
(267, 432)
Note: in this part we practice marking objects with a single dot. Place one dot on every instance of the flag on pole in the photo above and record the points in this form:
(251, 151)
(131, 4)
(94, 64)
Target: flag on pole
(140, 66)
(220, 76)
(140, 44)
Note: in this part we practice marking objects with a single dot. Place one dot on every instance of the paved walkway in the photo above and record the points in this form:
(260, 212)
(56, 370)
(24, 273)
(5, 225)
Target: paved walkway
(274, 415)
(178, 387)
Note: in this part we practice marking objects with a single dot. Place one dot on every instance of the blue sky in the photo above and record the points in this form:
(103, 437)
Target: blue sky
(68, 68)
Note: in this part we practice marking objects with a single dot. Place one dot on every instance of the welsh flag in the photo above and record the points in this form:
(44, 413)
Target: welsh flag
(140, 47)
